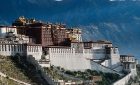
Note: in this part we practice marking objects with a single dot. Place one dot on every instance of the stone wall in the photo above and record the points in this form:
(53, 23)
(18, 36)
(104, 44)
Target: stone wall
(125, 79)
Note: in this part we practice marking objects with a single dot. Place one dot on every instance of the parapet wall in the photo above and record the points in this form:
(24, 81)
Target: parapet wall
(21, 49)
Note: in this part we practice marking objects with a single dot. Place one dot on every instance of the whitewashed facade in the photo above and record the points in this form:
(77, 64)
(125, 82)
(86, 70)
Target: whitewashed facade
(34, 50)
(12, 49)
(21, 49)
(67, 58)
(77, 57)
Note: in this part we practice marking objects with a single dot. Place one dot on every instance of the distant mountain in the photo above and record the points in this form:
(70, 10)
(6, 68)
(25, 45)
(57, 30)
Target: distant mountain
(116, 21)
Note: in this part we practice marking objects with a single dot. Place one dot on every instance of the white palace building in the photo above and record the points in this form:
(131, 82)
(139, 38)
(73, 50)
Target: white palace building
(98, 55)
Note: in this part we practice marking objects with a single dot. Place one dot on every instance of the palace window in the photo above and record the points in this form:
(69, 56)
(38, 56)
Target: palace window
(34, 48)
(18, 47)
(37, 48)
(14, 48)
(9, 47)
(0, 47)
(5, 48)
(22, 47)
(29, 48)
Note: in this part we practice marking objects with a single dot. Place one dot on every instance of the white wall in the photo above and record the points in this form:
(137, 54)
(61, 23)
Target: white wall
(68, 59)
(44, 65)
(125, 79)
(11, 49)
(22, 49)
(35, 51)
(106, 63)
(115, 57)
(88, 53)
(95, 53)
(98, 53)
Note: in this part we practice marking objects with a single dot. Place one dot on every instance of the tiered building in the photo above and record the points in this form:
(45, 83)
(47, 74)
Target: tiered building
(47, 34)
(55, 44)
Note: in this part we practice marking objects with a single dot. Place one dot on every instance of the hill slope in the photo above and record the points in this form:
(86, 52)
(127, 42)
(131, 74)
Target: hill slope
(20, 70)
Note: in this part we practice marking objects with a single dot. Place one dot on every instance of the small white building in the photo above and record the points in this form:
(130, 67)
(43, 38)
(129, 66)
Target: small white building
(129, 62)
(4, 30)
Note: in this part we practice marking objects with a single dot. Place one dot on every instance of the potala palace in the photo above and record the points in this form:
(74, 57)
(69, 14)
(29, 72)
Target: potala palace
(57, 45)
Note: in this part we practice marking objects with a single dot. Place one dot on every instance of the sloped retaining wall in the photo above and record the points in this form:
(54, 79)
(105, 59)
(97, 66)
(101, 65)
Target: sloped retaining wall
(125, 79)
(99, 67)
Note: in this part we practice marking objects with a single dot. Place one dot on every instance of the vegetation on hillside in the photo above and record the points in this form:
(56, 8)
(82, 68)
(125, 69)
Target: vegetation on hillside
(136, 80)
(18, 68)
(8, 67)
(54, 74)
(107, 78)
(7, 81)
